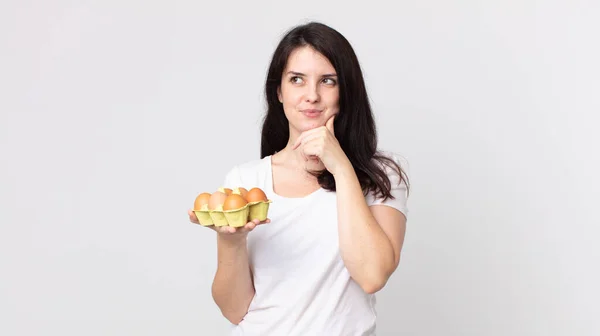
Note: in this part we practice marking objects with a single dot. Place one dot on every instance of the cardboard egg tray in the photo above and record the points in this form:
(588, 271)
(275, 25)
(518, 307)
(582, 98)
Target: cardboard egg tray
(234, 218)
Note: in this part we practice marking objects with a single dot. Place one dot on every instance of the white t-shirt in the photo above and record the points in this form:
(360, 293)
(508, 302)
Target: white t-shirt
(302, 286)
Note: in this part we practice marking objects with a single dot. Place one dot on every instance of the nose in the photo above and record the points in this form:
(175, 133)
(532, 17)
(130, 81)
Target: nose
(312, 93)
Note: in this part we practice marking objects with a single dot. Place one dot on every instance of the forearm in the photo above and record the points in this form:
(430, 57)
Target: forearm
(232, 287)
(366, 250)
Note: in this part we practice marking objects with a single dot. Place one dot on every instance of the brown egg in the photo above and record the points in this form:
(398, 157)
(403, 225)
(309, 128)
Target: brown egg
(216, 200)
(226, 191)
(256, 195)
(201, 200)
(240, 191)
(234, 202)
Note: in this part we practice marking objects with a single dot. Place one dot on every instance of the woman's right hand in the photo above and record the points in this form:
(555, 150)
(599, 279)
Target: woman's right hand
(229, 230)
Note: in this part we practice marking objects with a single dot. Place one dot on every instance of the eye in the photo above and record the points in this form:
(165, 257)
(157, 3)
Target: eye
(296, 79)
(329, 81)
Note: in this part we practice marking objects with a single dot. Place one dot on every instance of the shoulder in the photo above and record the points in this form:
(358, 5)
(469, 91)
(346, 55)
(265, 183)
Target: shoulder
(395, 168)
(248, 172)
(392, 163)
(397, 158)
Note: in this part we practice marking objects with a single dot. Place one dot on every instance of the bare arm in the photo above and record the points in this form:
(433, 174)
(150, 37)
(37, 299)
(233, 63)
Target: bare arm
(232, 288)
(371, 238)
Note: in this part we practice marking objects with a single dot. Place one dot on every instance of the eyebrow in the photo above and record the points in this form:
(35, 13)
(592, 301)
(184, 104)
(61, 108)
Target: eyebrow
(301, 74)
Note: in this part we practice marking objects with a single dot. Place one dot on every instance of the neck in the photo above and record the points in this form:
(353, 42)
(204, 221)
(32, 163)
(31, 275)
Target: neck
(292, 157)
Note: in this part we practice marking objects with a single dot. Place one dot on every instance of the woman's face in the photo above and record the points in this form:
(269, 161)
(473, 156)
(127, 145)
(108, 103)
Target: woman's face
(309, 90)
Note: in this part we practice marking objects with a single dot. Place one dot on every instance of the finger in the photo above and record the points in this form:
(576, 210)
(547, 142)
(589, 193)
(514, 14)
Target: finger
(329, 124)
(309, 137)
(264, 222)
(224, 229)
(250, 226)
(242, 229)
(312, 150)
(303, 155)
(306, 142)
(299, 140)
(303, 135)
(192, 216)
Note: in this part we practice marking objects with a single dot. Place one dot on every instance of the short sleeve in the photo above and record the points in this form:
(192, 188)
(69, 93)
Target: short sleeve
(399, 191)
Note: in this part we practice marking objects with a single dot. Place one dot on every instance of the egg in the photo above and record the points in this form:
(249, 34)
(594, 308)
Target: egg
(256, 195)
(240, 191)
(201, 201)
(216, 200)
(234, 202)
(226, 191)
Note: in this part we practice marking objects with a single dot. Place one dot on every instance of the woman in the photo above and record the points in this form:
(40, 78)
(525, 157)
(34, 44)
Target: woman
(337, 220)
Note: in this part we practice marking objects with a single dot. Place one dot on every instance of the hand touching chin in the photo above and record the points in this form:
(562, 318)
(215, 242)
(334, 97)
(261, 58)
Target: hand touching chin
(314, 164)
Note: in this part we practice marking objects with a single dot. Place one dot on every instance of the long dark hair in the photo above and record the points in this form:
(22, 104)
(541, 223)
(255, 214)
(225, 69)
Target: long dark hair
(354, 125)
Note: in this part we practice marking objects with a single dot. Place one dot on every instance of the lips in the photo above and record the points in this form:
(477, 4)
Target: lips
(312, 113)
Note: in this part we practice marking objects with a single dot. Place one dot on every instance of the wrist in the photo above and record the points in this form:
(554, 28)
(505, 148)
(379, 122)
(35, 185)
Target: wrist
(344, 170)
(232, 241)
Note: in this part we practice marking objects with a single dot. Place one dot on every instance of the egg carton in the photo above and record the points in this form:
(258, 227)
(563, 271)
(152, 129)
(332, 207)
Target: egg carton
(236, 217)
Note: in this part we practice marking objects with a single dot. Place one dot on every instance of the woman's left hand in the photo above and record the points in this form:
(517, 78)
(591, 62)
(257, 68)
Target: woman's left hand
(320, 146)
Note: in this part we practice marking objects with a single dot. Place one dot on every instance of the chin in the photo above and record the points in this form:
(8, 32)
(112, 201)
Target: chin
(303, 124)
(307, 125)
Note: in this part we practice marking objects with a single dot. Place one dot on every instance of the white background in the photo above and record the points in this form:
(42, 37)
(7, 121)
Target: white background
(115, 114)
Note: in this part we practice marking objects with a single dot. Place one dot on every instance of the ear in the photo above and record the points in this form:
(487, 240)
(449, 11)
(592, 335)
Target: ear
(279, 94)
